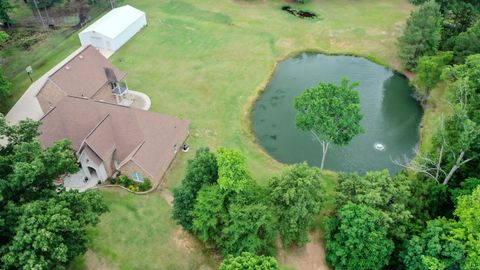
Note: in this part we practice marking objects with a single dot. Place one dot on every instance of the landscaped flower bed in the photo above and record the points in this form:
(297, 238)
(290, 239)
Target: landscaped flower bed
(134, 186)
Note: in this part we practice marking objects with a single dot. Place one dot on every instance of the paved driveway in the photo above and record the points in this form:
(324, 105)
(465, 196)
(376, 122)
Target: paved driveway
(27, 106)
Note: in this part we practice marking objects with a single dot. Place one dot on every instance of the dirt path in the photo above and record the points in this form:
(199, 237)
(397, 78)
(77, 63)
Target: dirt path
(309, 257)
(167, 195)
(92, 261)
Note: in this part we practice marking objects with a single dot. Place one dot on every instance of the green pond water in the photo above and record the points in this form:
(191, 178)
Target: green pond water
(391, 116)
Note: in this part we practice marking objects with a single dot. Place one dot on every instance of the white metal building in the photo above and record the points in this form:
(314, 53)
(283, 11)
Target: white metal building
(114, 29)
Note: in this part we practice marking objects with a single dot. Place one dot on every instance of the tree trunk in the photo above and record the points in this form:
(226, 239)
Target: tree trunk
(455, 167)
(324, 152)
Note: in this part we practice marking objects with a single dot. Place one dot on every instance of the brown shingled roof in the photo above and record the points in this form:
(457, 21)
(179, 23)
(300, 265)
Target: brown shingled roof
(84, 74)
(115, 132)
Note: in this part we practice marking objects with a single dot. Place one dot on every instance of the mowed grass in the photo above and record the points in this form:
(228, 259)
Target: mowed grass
(138, 233)
(207, 61)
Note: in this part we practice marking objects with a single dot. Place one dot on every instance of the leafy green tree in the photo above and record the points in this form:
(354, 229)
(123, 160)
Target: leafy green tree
(390, 196)
(459, 138)
(232, 170)
(357, 239)
(467, 43)
(50, 233)
(465, 84)
(5, 8)
(466, 188)
(331, 113)
(209, 214)
(434, 246)
(40, 228)
(458, 16)
(249, 261)
(250, 228)
(200, 171)
(467, 209)
(296, 197)
(422, 34)
(429, 71)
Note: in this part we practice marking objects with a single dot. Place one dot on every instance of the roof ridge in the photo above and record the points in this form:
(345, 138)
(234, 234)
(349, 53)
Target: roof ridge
(84, 141)
(96, 126)
(47, 113)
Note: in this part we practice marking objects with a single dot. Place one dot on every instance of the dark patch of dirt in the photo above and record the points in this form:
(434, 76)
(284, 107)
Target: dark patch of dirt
(299, 13)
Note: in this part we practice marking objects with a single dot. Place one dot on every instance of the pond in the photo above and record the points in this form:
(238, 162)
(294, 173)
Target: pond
(391, 116)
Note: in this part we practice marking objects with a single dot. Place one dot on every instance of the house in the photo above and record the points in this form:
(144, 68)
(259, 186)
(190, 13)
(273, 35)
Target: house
(83, 101)
(114, 29)
(88, 74)
(110, 139)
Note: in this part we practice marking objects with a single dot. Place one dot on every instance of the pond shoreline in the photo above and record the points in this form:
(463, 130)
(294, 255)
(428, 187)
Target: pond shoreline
(262, 87)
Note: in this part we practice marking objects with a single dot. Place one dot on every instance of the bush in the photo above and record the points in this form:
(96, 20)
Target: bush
(134, 188)
(125, 181)
(146, 185)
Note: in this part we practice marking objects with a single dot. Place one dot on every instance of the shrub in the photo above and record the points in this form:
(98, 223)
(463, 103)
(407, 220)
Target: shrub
(134, 188)
(125, 181)
(146, 185)
(112, 181)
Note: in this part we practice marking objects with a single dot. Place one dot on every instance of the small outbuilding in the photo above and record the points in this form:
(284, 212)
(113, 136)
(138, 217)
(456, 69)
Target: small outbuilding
(114, 29)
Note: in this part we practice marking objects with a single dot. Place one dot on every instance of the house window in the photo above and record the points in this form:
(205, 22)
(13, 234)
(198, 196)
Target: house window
(137, 177)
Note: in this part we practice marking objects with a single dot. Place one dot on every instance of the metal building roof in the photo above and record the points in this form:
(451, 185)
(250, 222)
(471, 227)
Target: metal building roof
(115, 21)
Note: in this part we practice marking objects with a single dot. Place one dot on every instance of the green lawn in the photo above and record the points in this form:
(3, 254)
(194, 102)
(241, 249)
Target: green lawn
(138, 233)
(206, 61)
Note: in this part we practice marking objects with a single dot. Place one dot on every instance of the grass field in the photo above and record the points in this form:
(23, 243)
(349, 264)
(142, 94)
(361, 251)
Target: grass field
(206, 61)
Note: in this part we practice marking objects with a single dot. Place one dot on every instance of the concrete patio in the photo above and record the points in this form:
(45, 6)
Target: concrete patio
(77, 181)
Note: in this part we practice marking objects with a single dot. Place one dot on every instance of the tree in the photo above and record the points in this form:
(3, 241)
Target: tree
(331, 113)
(202, 170)
(357, 239)
(5, 8)
(467, 43)
(465, 84)
(429, 71)
(422, 34)
(389, 195)
(468, 207)
(435, 245)
(50, 233)
(466, 188)
(454, 144)
(5, 86)
(453, 244)
(458, 16)
(232, 170)
(209, 214)
(296, 197)
(250, 228)
(249, 261)
(41, 228)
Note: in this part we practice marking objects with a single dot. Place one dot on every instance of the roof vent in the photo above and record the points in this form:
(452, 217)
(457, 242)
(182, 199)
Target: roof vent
(80, 56)
(67, 68)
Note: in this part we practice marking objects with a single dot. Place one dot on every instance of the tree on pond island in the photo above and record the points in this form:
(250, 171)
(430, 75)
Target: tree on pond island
(331, 113)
